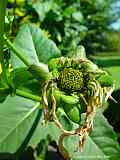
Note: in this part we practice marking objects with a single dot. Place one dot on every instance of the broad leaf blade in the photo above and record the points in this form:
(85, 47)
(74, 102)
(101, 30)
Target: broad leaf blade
(34, 45)
(101, 144)
(21, 76)
(16, 117)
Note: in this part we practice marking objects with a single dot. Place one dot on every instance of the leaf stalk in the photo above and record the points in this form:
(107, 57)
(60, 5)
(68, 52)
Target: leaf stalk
(28, 95)
(16, 51)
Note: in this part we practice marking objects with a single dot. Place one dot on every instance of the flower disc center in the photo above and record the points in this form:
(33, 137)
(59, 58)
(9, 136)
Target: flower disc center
(70, 80)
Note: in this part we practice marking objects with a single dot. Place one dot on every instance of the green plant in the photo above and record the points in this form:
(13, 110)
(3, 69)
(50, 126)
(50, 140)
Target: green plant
(82, 22)
(35, 83)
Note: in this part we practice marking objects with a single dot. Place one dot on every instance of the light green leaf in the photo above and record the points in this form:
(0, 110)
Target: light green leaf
(34, 45)
(42, 8)
(43, 130)
(16, 117)
(77, 16)
(101, 144)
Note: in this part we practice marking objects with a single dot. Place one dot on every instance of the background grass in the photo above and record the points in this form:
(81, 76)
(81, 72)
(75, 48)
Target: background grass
(111, 63)
(115, 72)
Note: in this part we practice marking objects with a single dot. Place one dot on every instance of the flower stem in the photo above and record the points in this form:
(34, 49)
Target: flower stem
(39, 71)
(16, 51)
(28, 95)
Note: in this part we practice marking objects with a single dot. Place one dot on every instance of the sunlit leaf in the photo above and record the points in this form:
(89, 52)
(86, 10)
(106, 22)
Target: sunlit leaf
(100, 144)
(16, 117)
(34, 45)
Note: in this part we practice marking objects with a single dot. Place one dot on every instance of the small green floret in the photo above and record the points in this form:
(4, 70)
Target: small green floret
(70, 79)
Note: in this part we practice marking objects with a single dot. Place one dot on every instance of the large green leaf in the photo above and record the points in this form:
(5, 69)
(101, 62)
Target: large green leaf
(34, 45)
(101, 144)
(16, 117)
(21, 76)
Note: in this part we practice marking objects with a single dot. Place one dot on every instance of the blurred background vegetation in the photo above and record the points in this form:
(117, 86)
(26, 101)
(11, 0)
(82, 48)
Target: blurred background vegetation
(71, 23)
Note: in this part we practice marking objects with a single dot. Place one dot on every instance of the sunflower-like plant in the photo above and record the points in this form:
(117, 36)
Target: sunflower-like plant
(72, 83)
(81, 87)
(77, 85)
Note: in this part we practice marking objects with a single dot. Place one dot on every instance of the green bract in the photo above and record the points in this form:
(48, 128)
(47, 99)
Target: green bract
(71, 107)
(73, 112)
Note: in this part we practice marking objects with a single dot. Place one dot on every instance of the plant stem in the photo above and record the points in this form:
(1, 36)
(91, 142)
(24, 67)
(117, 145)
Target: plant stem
(38, 71)
(2, 22)
(16, 51)
(28, 95)
(3, 4)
